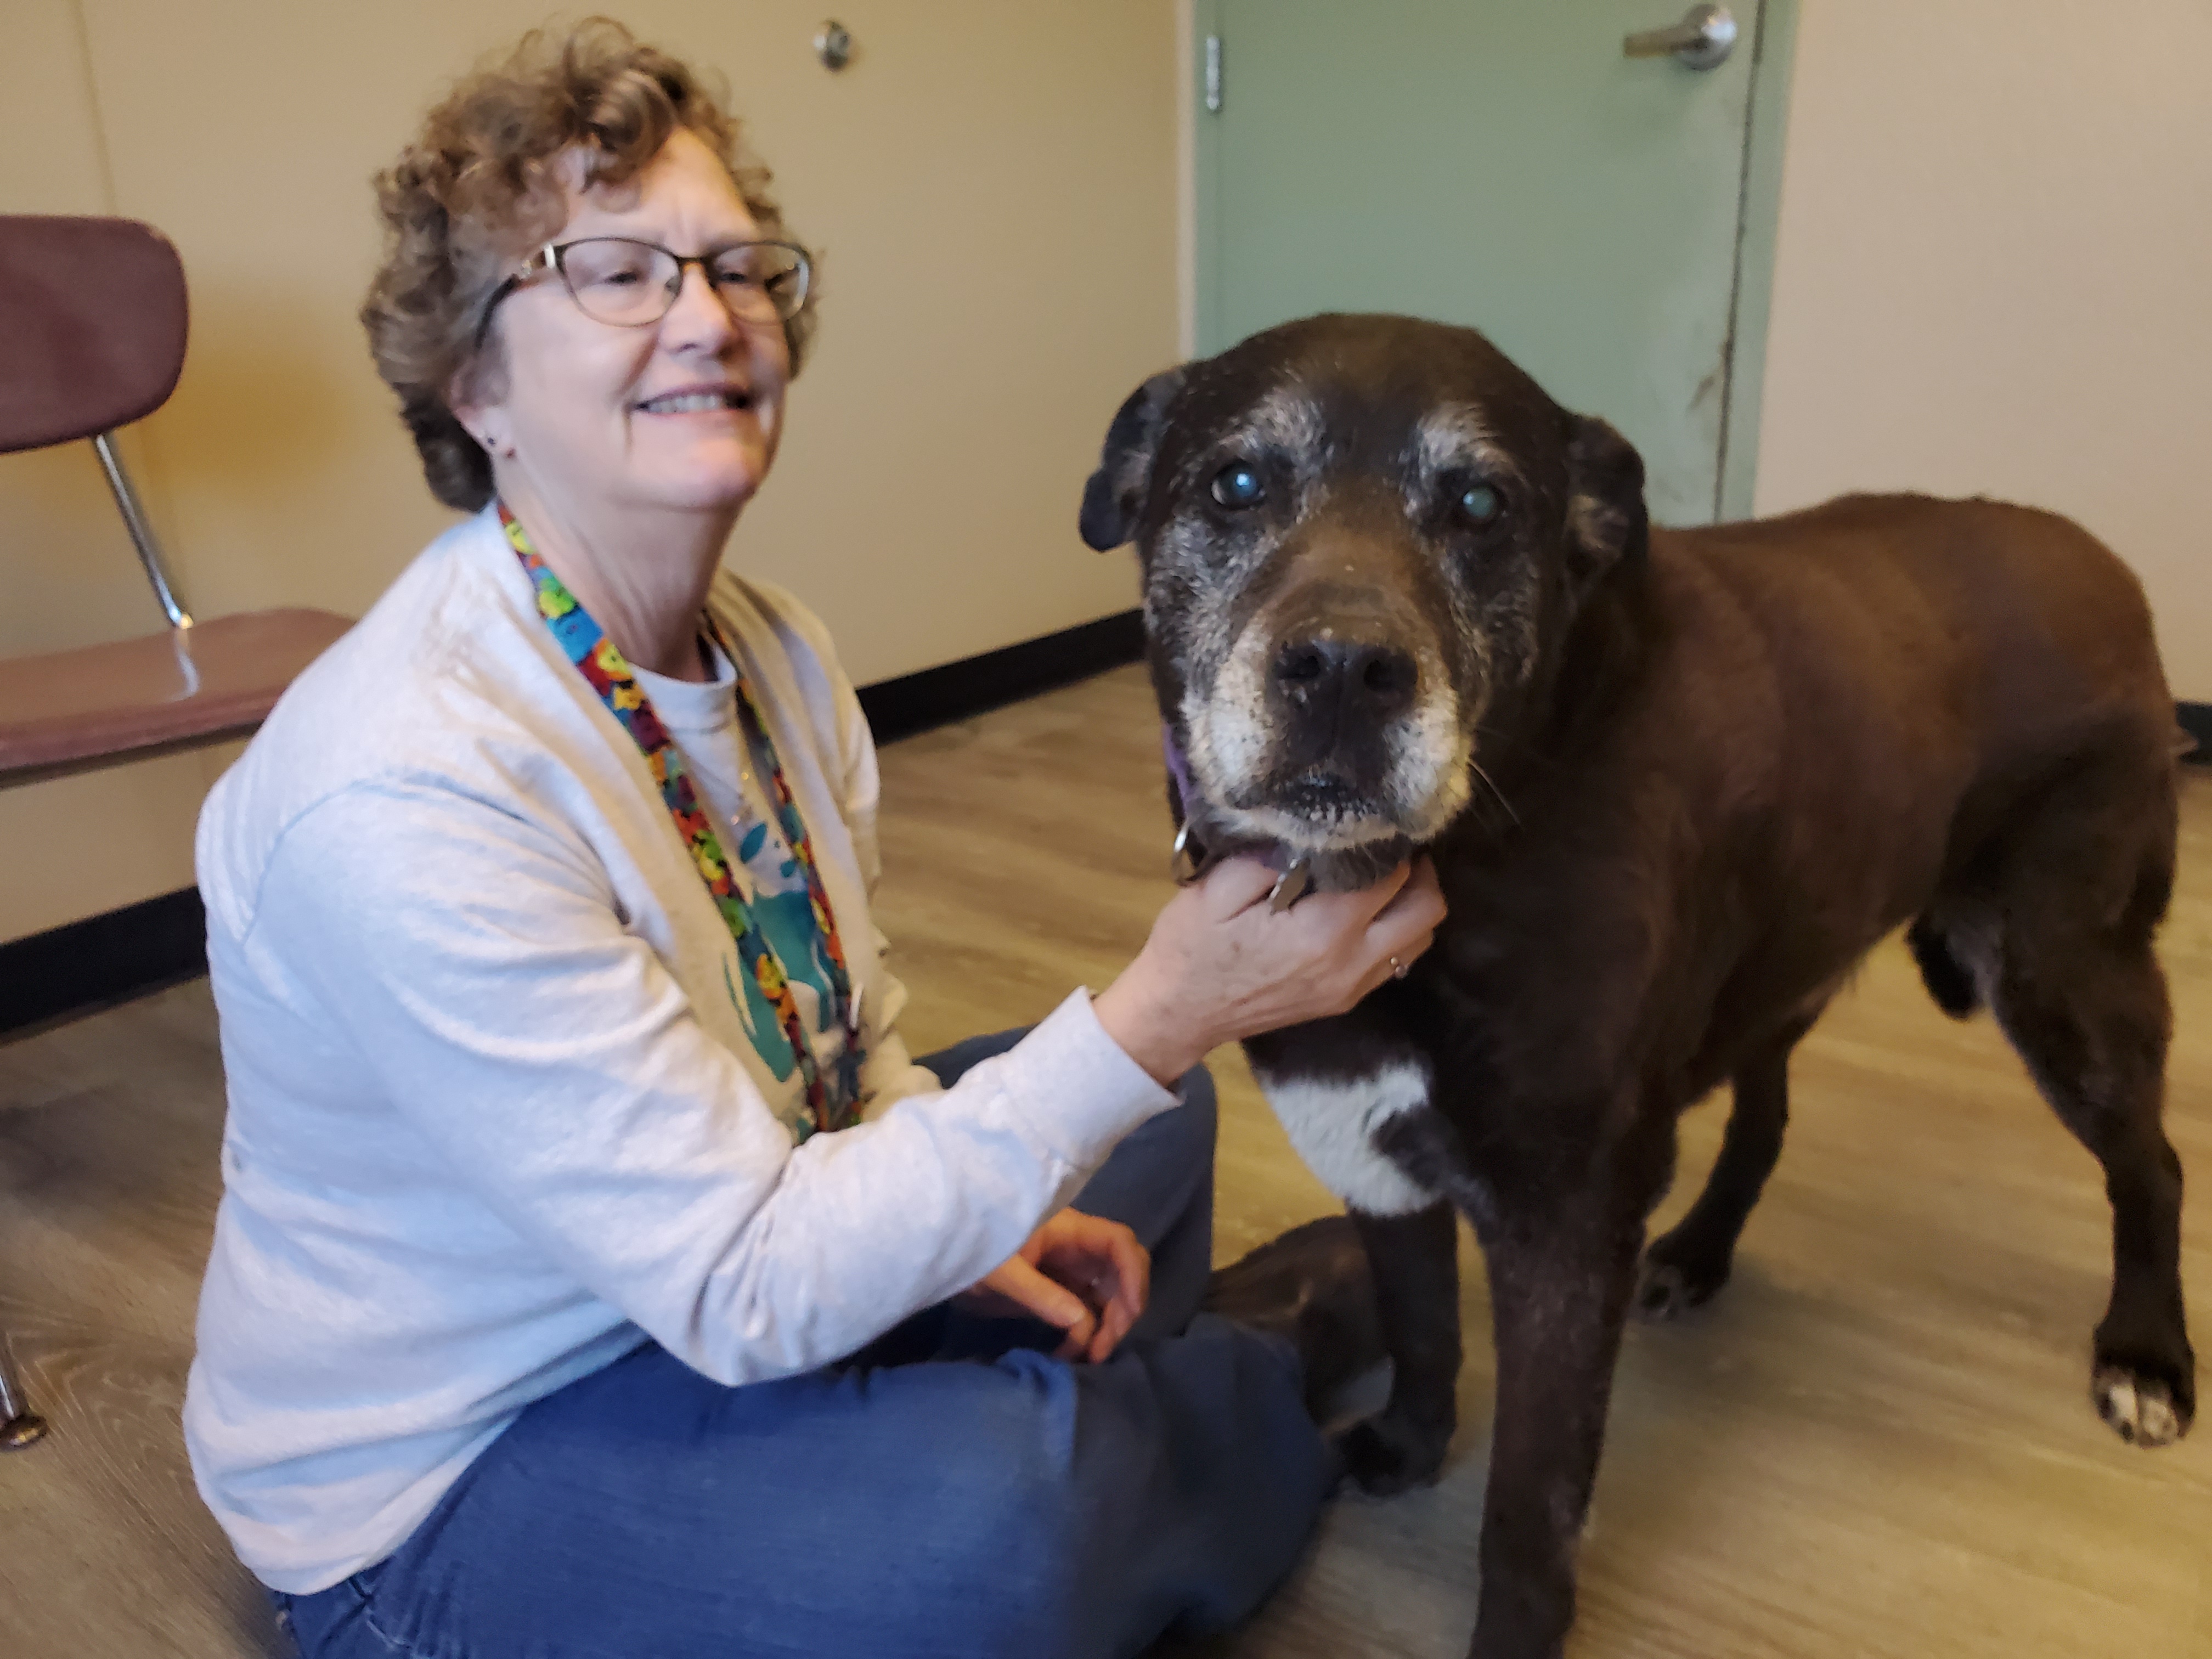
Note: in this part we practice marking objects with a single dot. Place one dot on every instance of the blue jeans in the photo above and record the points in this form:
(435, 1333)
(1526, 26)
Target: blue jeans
(951, 1491)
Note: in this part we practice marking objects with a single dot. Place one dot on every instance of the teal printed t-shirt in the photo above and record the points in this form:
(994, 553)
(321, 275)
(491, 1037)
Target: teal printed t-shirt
(702, 719)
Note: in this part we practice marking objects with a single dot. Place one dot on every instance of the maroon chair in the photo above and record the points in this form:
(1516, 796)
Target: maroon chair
(92, 337)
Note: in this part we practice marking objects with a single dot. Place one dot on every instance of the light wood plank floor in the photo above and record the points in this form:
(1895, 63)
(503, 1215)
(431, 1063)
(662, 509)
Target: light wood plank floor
(1877, 1442)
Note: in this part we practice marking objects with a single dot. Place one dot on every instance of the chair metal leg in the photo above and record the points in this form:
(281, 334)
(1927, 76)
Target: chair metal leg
(18, 1427)
(141, 529)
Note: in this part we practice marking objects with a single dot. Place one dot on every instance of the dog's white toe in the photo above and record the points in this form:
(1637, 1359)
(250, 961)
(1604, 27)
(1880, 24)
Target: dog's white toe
(2139, 1411)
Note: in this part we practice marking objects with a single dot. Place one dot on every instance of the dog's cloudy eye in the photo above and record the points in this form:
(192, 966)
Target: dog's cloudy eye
(1238, 485)
(1479, 504)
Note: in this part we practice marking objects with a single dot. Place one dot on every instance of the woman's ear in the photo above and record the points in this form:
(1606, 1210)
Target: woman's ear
(1114, 496)
(486, 426)
(481, 416)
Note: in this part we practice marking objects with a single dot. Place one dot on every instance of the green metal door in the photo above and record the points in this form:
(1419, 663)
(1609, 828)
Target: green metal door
(1500, 163)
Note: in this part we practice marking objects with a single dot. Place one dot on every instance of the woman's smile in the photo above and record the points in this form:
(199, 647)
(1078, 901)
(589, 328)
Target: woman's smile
(699, 400)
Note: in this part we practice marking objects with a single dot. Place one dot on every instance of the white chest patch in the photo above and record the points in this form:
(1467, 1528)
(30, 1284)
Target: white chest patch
(1333, 1124)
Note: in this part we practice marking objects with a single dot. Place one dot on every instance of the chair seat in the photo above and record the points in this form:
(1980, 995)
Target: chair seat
(70, 710)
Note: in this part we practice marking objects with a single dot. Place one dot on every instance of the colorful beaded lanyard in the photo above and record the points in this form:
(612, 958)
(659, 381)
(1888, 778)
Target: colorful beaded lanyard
(830, 1101)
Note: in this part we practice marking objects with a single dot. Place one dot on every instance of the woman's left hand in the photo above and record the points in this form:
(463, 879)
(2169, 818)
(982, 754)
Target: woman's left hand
(1081, 1274)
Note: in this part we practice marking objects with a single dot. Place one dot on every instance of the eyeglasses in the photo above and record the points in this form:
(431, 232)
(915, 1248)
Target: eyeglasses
(630, 284)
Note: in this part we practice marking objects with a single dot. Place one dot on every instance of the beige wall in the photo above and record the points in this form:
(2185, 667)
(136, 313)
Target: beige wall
(993, 184)
(1994, 274)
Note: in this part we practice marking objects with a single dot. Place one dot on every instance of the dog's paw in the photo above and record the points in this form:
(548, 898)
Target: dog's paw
(1384, 1457)
(1668, 1285)
(2142, 1376)
(2144, 1410)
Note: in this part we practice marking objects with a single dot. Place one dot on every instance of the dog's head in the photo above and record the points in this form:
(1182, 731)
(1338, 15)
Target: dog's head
(1363, 541)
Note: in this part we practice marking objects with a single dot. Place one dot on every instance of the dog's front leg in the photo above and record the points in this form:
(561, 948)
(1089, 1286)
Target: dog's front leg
(1559, 1288)
(1415, 1262)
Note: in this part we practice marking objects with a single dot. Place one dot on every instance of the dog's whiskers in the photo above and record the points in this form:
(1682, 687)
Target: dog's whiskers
(1493, 784)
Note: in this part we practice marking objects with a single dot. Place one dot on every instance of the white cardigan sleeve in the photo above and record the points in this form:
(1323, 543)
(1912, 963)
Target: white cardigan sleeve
(475, 964)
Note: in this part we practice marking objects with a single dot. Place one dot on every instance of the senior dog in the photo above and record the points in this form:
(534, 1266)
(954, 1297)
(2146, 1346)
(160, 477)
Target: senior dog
(1676, 785)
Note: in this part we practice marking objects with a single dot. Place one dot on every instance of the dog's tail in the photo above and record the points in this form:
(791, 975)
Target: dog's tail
(1946, 978)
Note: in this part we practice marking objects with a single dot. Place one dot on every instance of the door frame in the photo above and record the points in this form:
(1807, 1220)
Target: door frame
(1773, 46)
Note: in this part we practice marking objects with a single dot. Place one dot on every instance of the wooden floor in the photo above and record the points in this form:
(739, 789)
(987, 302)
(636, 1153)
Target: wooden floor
(1878, 1442)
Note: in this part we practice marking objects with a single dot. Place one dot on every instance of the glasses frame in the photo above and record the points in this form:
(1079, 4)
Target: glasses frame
(553, 257)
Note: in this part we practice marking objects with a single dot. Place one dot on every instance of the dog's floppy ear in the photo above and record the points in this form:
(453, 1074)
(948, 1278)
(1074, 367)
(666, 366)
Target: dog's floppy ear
(1115, 493)
(1607, 523)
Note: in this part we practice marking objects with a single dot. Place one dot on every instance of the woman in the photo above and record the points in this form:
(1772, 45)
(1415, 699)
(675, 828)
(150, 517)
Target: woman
(581, 1281)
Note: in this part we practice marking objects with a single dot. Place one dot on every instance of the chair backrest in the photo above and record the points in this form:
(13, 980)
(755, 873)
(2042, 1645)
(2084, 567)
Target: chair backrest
(92, 326)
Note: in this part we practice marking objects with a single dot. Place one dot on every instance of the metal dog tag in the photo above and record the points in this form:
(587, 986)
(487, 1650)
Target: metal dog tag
(1187, 859)
(1290, 887)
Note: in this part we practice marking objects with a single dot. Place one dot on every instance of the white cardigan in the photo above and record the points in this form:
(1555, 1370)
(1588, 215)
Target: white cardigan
(494, 1116)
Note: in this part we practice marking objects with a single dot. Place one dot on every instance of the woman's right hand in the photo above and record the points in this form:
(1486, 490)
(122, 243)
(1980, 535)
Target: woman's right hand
(1220, 965)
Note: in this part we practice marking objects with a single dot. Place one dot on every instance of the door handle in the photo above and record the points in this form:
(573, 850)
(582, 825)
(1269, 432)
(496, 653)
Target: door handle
(1702, 40)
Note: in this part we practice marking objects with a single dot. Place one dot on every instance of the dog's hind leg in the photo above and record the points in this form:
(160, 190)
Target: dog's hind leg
(2090, 1015)
(2070, 902)
(1685, 1266)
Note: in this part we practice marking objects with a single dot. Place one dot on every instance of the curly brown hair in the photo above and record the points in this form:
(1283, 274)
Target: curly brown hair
(482, 183)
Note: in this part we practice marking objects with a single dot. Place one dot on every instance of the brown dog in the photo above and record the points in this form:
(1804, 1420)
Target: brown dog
(1676, 784)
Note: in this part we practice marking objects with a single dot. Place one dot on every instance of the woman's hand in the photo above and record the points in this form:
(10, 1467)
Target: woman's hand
(1220, 965)
(1081, 1274)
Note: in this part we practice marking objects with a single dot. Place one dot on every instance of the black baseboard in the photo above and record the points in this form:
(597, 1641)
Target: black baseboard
(102, 960)
(937, 696)
(2196, 719)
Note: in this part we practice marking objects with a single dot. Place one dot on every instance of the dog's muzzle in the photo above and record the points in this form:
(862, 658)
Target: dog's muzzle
(1327, 735)
(1339, 674)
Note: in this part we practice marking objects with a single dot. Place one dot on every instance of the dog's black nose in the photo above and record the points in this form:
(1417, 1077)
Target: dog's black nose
(1358, 675)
